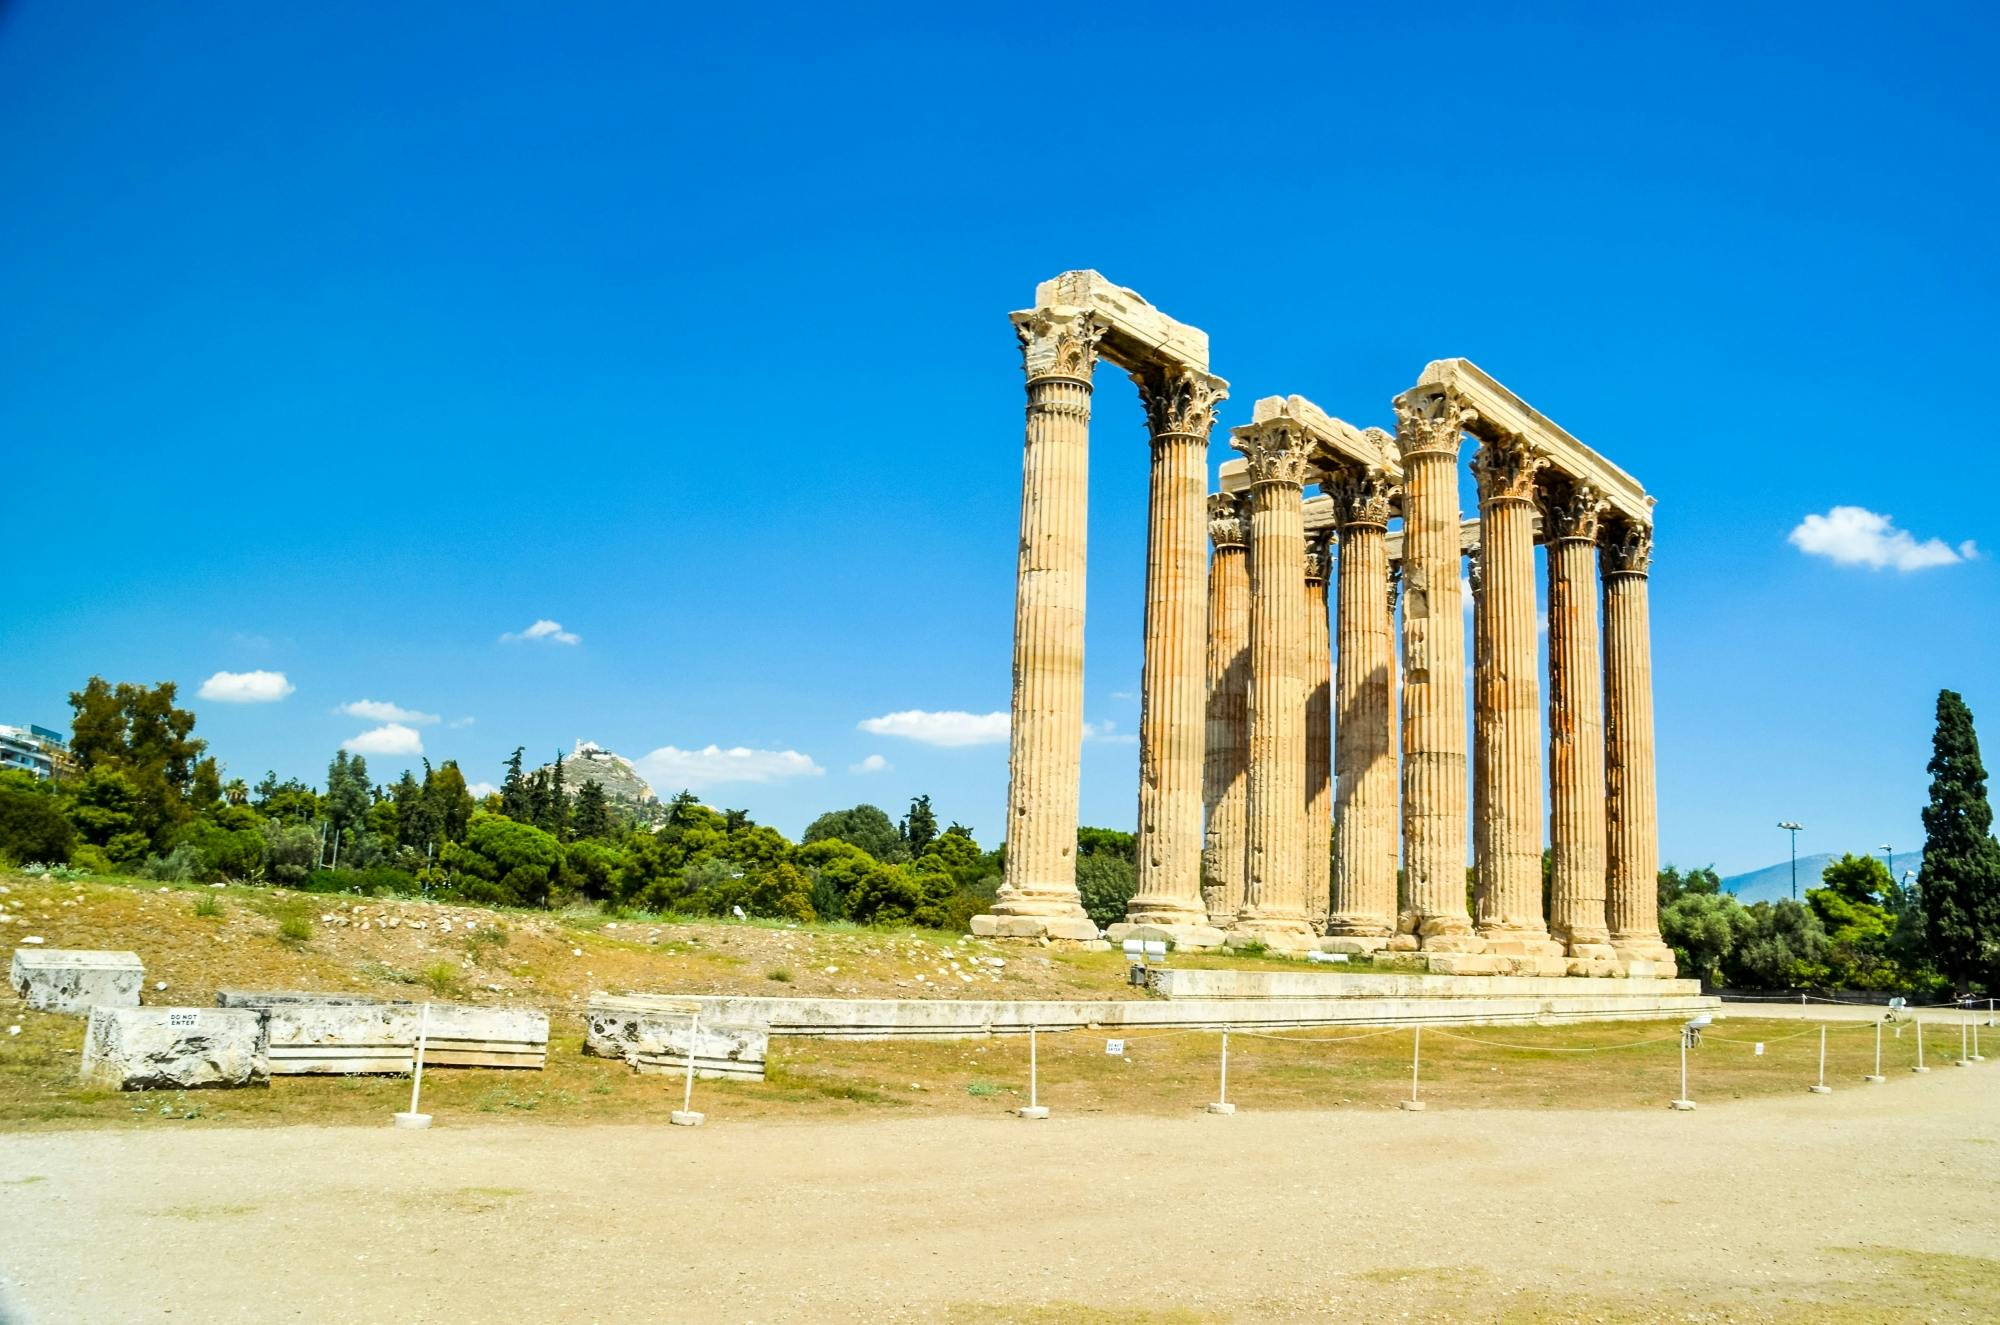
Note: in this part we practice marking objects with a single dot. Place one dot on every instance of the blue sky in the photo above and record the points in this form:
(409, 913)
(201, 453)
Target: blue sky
(341, 341)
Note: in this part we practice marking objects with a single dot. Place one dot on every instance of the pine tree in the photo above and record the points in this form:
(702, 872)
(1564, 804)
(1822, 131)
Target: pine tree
(592, 816)
(555, 813)
(920, 828)
(514, 801)
(1960, 879)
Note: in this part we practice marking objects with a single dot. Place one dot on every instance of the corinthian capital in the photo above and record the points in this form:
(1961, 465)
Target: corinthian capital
(1277, 450)
(1319, 558)
(1179, 400)
(1361, 496)
(1430, 420)
(1572, 508)
(1059, 342)
(1625, 548)
(1227, 526)
(1506, 470)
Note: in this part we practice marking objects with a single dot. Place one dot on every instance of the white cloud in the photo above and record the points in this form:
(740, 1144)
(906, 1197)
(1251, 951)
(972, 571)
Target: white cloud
(1107, 733)
(457, 723)
(481, 790)
(544, 631)
(669, 766)
(951, 727)
(1857, 536)
(872, 764)
(391, 738)
(381, 710)
(246, 687)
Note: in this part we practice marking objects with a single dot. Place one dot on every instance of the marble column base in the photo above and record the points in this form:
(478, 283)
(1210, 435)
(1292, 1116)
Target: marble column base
(1283, 935)
(1196, 935)
(1354, 944)
(1075, 930)
(1521, 943)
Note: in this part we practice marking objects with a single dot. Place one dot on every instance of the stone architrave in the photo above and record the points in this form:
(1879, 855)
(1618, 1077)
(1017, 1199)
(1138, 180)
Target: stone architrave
(159, 1048)
(1180, 409)
(1429, 425)
(75, 980)
(1038, 897)
(1507, 709)
(1572, 511)
(1274, 903)
(1227, 763)
(1364, 723)
(1631, 808)
(1319, 736)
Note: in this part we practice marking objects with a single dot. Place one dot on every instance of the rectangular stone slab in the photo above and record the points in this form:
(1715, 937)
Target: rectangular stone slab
(1139, 334)
(74, 980)
(338, 1035)
(652, 1035)
(174, 1048)
(1335, 438)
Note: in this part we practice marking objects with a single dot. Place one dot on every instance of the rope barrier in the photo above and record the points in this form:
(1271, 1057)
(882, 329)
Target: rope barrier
(1555, 1049)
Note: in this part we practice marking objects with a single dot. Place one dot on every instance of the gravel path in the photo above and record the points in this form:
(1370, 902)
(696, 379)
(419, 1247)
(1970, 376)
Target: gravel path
(1862, 1205)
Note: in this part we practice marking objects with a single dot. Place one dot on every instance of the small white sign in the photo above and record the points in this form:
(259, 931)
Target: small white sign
(183, 1021)
(1115, 1048)
(1760, 1048)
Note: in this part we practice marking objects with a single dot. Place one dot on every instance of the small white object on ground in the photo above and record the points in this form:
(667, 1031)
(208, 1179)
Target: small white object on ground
(576, 952)
(32, 938)
(13, 1030)
(159, 985)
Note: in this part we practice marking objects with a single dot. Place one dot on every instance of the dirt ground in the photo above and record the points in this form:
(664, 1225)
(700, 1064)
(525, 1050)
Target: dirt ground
(1872, 1204)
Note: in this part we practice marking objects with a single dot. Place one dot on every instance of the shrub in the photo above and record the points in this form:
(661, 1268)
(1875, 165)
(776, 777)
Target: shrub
(441, 978)
(293, 927)
(1106, 883)
(181, 865)
(89, 860)
(780, 974)
(32, 824)
(291, 851)
(208, 905)
(481, 941)
(591, 869)
(504, 863)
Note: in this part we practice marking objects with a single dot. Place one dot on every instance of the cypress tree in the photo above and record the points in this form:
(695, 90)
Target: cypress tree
(1960, 879)
(593, 812)
(514, 801)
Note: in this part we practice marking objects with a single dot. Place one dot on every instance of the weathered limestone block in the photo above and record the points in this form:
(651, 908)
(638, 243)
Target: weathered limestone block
(1595, 966)
(1354, 945)
(337, 1034)
(1174, 936)
(1465, 963)
(653, 1041)
(174, 1048)
(75, 980)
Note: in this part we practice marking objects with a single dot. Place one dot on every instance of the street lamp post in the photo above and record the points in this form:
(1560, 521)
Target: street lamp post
(1888, 856)
(1793, 829)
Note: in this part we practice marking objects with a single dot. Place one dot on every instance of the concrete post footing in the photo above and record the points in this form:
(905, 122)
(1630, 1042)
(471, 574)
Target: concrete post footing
(1410, 1106)
(1871, 1077)
(413, 1121)
(687, 1118)
(1919, 1069)
(1032, 1111)
(1684, 1106)
(1820, 1090)
(1222, 1107)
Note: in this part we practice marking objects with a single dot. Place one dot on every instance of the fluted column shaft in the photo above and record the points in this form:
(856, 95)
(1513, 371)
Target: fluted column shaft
(1059, 349)
(1226, 788)
(1631, 807)
(1274, 895)
(1571, 514)
(1365, 791)
(1180, 407)
(1429, 425)
(1507, 708)
(1319, 739)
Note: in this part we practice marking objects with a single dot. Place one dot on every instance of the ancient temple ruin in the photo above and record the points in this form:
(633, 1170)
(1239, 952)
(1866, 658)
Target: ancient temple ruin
(1308, 678)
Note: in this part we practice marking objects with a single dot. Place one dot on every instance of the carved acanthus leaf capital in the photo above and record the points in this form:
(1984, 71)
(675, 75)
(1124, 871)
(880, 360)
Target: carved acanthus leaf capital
(1395, 584)
(1572, 508)
(1277, 450)
(1228, 525)
(1362, 496)
(1319, 559)
(1179, 401)
(1431, 420)
(1626, 548)
(1507, 470)
(1059, 342)
(1475, 570)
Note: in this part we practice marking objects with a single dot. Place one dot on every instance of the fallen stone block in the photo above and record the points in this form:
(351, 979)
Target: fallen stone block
(174, 1048)
(74, 980)
(351, 1034)
(652, 1040)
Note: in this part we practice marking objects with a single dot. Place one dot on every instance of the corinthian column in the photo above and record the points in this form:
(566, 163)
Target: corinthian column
(1631, 813)
(1365, 848)
(1274, 904)
(1507, 706)
(1571, 512)
(1180, 408)
(1038, 896)
(1225, 778)
(1319, 737)
(1429, 423)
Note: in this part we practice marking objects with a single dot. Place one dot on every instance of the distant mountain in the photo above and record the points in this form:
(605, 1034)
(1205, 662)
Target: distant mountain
(630, 794)
(1775, 881)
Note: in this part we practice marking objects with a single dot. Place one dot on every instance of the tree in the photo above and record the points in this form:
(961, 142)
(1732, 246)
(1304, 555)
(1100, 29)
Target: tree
(346, 800)
(33, 828)
(504, 863)
(1674, 885)
(514, 797)
(1960, 878)
(1105, 882)
(1107, 842)
(591, 817)
(919, 828)
(1858, 926)
(449, 799)
(552, 806)
(1785, 947)
(139, 733)
(1704, 930)
(864, 826)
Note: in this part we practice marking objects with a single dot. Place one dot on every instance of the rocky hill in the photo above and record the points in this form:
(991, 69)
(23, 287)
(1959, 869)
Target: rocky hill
(629, 793)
